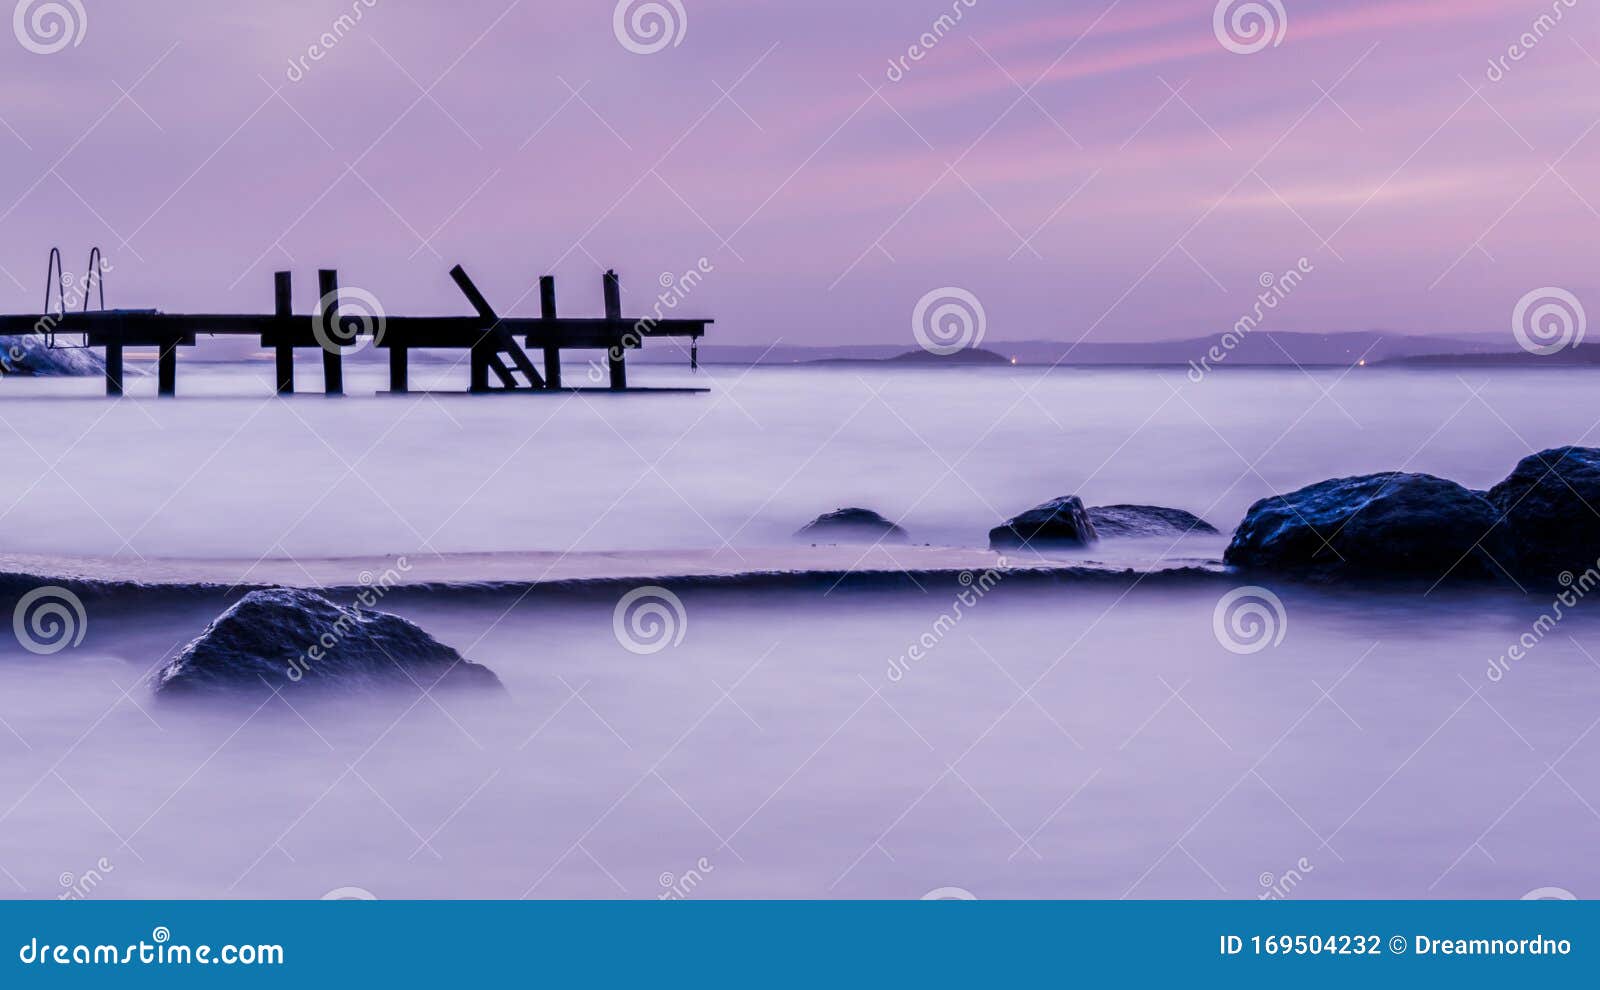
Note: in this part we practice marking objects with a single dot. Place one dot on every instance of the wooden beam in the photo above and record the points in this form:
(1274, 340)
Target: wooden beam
(113, 369)
(478, 365)
(615, 356)
(399, 379)
(493, 340)
(148, 328)
(552, 350)
(283, 309)
(167, 369)
(481, 346)
(328, 318)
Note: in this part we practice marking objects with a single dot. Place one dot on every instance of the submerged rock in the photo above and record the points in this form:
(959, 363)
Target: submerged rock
(852, 525)
(1376, 526)
(298, 639)
(1146, 520)
(27, 354)
(1061, 522)
(1551, 507)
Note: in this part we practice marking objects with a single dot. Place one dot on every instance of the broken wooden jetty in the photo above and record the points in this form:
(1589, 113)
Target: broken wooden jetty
(497, 362)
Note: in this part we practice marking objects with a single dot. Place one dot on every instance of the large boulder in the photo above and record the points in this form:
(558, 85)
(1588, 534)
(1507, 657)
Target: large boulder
(1551, 505)
(1146, 520)
(852, 525)
(1395, 525)
(298, 640)
(1061, 522)
(28, 354)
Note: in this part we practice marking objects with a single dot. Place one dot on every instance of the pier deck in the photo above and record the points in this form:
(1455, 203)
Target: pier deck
(497, 362)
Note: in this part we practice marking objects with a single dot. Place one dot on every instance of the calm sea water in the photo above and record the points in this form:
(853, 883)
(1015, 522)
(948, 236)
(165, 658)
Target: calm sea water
(229, 471)
(1072, 741)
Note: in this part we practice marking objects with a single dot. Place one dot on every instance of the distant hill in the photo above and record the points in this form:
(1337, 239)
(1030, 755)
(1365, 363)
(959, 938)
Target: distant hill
(970, 355)
(1572, 357)
(1261, 348)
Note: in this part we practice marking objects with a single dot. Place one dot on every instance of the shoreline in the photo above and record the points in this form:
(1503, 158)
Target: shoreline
(578, 573)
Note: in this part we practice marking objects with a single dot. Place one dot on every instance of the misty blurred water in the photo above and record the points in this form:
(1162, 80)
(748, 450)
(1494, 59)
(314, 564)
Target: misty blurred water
(228, 471)
(1080, 741)
(1075, 742)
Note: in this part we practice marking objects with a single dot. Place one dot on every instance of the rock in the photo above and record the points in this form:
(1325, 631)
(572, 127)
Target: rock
(27, 354)
(1375, 526)
(1551, 506)
(852, 525)
(1146, 520)
(1062, 522)
(295, 640)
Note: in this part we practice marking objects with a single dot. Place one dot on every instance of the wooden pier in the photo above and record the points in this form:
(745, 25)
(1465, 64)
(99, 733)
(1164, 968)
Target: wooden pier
(497, 346)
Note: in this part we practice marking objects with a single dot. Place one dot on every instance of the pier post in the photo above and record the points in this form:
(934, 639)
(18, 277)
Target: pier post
(398, 368)
(613, 293)
(328, 318)
(478, 364)
(114, 368)
(283, 306)
(552, 350)
(167, 369)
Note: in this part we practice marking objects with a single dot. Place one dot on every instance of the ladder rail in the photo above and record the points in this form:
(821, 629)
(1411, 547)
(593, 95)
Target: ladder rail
(95, 276)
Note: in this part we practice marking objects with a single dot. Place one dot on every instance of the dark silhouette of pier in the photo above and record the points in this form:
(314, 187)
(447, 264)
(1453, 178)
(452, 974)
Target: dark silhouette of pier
(497, 362)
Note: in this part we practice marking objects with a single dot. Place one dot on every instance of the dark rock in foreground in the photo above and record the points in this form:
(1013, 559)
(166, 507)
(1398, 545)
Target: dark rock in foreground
(852, 525)
(1146, 520)
(1376, 526)
(295, 640)
(27, 354)
(1551, 507)
(1061, 522)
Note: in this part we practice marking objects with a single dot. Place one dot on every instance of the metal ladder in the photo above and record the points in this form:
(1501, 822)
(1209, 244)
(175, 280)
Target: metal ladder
(94, 276)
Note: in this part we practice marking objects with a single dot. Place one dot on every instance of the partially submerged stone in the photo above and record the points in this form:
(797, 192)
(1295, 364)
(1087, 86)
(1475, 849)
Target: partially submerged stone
(852, 525)
(1551, 507)
(1061, 522)
(1146, 520)
(1392, 525)
(298, 640)
(30, 354)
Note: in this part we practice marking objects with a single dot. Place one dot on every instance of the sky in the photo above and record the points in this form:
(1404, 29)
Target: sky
(1110, 170)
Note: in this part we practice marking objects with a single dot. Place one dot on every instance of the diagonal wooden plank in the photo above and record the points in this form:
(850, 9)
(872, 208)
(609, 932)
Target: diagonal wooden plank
(499, 335)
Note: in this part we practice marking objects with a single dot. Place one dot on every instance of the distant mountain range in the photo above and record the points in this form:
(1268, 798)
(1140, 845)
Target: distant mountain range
(1263, 347)
(1257, 349)
(971, 355)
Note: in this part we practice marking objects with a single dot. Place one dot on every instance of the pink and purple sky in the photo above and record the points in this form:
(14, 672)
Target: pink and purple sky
(1108, 169)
